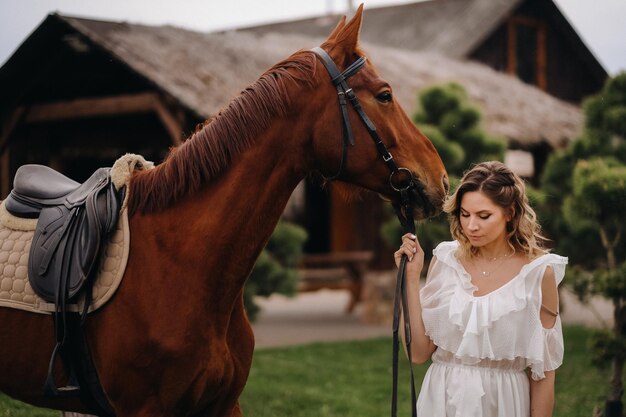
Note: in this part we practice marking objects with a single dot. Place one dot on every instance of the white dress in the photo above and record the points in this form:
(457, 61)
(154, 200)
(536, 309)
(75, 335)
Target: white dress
(484, 344)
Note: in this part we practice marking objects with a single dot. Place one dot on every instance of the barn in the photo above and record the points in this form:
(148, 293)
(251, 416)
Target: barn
(79, 93)
(529, 39)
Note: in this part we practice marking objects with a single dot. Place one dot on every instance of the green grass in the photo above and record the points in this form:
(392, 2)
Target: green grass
(354, 379)
(13, 408)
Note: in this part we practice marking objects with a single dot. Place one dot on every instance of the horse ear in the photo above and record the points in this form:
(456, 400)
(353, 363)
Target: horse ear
(338, 28)
(348, 37)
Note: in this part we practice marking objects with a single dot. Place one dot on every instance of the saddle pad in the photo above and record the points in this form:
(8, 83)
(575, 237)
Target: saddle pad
(15, 290)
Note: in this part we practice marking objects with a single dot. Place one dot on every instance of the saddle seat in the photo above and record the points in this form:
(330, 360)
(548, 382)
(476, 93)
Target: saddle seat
(39, 186)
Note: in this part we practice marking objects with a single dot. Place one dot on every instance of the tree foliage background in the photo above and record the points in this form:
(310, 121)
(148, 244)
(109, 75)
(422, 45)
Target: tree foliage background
(583, 212)
(581, 203)
(275, 269)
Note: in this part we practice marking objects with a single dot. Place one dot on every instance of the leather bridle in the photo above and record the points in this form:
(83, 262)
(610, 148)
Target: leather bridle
(410, 189)
(345, 94)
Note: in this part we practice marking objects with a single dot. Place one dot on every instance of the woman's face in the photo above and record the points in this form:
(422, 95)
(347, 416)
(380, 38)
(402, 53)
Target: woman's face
(483, 222)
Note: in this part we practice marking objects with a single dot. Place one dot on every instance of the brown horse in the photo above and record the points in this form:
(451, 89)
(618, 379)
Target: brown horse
(175, 340)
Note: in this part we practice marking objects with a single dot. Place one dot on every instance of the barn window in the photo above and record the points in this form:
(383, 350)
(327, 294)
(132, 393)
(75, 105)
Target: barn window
(527, 50)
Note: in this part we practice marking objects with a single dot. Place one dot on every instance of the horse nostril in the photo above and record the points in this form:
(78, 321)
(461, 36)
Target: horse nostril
(446, 183)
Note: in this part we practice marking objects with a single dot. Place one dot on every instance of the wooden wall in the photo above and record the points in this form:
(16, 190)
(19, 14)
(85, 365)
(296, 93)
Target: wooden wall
(534, 30)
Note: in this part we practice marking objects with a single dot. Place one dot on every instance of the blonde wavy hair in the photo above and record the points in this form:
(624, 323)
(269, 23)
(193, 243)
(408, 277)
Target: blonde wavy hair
(507, 190)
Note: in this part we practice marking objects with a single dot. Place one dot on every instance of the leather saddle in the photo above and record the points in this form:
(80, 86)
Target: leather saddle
(73, 222)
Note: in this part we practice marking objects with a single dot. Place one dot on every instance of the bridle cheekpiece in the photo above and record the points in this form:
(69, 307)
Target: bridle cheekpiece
(401, 179)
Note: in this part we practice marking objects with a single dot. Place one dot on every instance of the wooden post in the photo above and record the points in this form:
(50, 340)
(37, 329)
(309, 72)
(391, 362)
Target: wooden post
(511, 56)
(5, 183)
(172, 125)
(341, 221)
(542, 58)
(6, 129)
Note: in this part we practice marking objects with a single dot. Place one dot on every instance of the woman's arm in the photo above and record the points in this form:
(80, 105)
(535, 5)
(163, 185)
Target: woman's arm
(542, 391)
(542, 396)
(422, 346)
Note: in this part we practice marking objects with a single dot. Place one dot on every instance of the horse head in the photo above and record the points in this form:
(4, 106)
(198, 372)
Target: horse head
(355, 157)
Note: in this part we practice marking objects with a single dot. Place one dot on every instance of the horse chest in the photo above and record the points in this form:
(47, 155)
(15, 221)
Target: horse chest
(226, 365)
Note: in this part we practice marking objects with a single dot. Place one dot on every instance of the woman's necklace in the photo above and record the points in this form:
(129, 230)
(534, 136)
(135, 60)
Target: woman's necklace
(486, 272)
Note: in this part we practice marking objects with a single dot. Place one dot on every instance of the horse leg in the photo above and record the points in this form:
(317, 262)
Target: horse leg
(241, 344)
(241, 347)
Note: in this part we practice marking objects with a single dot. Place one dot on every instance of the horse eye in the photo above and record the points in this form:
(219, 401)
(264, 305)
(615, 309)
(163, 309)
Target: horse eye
(384, 97)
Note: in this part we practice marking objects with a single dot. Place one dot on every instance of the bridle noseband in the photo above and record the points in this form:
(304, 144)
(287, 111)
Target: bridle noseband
(404, 211)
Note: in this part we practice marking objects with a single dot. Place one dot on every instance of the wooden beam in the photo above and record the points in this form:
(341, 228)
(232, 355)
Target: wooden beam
(91, 107)
(5, 182)
(9, 125)
(170, 122)
(108, 106)
(525, 20)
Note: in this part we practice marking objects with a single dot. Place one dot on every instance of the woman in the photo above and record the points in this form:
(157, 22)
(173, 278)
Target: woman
(488, 313)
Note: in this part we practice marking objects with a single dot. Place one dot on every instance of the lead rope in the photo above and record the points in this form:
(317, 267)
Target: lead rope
(344, 91)
(405, 215)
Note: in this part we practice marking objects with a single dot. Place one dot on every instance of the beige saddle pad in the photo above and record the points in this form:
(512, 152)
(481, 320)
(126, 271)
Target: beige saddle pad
(15, 290)
(15, 238)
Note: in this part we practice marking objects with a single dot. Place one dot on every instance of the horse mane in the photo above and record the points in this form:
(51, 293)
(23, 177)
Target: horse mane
(216, 142)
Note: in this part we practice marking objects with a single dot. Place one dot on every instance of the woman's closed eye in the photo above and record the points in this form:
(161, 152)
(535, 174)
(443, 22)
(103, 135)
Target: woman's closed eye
(481, 216)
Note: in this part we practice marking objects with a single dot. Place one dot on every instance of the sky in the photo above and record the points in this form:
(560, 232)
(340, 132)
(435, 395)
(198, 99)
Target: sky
(600, 23)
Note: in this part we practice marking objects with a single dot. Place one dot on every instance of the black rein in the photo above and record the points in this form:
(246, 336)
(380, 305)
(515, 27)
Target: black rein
(404, 210)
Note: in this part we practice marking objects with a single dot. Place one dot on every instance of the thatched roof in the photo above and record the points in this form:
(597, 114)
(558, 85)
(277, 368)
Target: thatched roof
(203, 71)
(454, 28)
(448, 27)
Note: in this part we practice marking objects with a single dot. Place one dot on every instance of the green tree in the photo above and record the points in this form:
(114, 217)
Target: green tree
(452, 123)
(275, 269)
(585, 189)
(446, 116)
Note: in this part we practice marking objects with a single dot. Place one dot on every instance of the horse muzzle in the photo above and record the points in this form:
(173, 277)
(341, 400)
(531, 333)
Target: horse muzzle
(410, 196)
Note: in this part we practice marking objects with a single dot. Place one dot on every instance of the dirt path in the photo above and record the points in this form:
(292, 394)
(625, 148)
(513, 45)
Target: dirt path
(311, 317)
(320, 317)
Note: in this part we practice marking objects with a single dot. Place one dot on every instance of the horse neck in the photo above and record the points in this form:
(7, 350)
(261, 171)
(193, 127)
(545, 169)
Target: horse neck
(227, 224)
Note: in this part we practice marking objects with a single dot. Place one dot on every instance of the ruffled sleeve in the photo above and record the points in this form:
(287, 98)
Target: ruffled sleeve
(550, 348)
(552, 355)
(435, 295)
